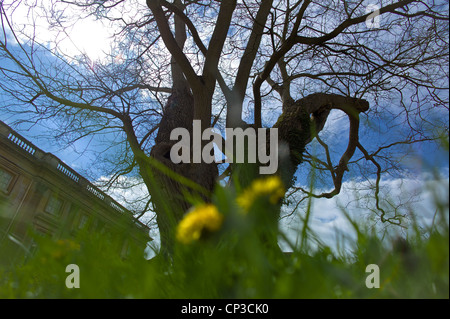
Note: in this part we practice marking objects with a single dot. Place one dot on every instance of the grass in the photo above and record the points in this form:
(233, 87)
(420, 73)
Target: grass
(238, 261)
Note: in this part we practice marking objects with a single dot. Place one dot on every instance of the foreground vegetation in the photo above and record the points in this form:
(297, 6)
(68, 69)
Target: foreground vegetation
(223, 252)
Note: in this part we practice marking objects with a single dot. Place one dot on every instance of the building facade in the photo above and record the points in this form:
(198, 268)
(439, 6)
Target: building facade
(39, 194)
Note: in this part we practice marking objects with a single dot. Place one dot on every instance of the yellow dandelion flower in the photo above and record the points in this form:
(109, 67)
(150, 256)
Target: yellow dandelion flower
(200, 218)
(246, 199)
(271, 186)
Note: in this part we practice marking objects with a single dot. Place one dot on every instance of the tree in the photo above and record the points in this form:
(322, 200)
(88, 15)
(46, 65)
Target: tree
(235, 64)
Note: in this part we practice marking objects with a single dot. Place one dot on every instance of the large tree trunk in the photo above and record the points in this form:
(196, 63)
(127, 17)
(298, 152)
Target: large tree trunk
(169, 194)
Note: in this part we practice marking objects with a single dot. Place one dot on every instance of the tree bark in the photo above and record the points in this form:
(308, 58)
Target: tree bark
(168, 194)
(302, 120)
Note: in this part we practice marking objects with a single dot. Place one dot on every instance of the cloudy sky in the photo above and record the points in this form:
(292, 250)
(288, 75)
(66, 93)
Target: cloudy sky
(425, 180)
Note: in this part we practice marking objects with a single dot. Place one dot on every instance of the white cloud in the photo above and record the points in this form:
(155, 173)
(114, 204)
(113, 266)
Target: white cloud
(90, 37)
(87, 35)
(419, 196)
(130, 192)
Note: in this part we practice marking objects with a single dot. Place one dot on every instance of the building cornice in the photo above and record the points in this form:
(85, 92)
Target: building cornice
(20, 144)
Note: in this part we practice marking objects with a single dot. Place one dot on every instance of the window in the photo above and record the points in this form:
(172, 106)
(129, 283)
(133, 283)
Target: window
(54, 205)
(6, 179)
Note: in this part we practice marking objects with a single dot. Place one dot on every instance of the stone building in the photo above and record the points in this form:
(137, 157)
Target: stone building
(40, 195)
